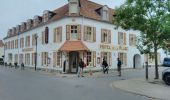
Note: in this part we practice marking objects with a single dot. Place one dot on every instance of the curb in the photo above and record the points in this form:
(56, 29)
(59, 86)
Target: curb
(113, 86)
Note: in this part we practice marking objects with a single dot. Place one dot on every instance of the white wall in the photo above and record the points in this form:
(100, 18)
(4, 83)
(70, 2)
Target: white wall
(1, 51)
(51, 47)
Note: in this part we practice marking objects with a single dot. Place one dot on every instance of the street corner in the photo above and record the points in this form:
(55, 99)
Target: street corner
(154, 89)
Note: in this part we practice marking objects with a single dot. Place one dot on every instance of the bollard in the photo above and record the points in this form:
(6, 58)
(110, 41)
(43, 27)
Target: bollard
(146, 70)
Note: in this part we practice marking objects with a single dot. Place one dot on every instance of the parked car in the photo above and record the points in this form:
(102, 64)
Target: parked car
(166, 76)
(1, 61)
(166, 62)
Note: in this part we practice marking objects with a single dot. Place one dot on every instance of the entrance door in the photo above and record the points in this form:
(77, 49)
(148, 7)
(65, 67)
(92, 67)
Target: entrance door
(137, 61)
(73, 57)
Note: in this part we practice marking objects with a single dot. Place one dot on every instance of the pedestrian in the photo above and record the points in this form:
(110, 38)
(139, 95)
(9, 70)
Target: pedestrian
(105, 66)
(15, 64)
(119, 63)
(80, 68)
(22, 66)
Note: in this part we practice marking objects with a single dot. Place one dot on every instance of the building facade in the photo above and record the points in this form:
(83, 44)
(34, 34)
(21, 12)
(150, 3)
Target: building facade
(80, 29)
(1, 49)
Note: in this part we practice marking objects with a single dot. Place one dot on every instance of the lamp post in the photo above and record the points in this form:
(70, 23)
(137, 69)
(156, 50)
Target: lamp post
(36, 37)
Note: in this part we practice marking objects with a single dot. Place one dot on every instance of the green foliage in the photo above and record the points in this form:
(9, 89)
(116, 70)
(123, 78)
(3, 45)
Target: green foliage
(151, 17)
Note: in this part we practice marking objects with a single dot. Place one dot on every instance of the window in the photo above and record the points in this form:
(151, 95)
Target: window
(57, 35)
(21, 42)
(33, 39)
(27, 59)
(9, 44)
(44, 58)
(27, 43)
(121, 38)
(107, 56)
(73, 7)
(106, 36)
(132, 39)
(105, 15)
(16, 43)
(33, 58)
(123, 58)
(16, 58)
(12, 44)
(21, 58)
(58, 58)
(46, 15)
(6, 45)
(43, 37)
(89, 33)
(73, 32)
(89, 58)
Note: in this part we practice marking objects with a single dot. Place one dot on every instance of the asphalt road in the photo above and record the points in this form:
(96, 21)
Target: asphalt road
(16, 84)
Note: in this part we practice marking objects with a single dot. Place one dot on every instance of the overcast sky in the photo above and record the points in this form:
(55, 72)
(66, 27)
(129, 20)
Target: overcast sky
(13, 12)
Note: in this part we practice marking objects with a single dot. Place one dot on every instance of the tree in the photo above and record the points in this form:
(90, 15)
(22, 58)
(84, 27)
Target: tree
(152, 18)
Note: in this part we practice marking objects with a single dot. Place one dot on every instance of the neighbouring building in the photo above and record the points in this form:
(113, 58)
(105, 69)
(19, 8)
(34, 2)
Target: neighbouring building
(79, 29)
(1, 49)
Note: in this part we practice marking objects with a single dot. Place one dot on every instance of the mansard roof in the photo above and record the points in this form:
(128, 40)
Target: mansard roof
(88, 9)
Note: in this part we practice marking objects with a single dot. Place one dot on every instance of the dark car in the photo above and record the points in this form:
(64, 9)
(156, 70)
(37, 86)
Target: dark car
(166, 76)
(166, 62)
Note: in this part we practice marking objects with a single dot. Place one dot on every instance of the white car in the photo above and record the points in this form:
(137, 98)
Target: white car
(166, 76)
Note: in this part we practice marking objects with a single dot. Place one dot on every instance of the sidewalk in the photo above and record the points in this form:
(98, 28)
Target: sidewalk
(154, 89)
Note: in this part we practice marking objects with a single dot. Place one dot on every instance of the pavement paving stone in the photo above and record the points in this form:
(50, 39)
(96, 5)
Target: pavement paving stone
(155, 89)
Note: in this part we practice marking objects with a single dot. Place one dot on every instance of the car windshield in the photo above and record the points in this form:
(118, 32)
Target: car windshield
(166, 59)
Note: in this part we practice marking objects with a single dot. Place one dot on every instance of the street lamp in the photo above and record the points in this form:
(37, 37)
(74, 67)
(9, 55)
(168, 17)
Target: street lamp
(36, 37)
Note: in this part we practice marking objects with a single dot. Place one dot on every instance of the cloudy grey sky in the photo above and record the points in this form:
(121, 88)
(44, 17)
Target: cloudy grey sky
(13, 12)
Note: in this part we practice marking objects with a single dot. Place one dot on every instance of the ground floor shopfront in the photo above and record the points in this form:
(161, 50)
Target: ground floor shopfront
(66, 58)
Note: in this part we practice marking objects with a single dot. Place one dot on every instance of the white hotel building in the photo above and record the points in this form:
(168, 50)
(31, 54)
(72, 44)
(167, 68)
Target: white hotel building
(79, 29)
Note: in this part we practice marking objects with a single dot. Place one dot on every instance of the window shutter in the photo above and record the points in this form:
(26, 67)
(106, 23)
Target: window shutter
(109, 32)
(101, 59)
(119, 38)
(68, 31)
(60, 31)
(110, 58)
(135, 40)
(42, 58)
(42, 37)
(54, 59)
(85, 33)
(124, 37)
(94, 58)
(94, 34)
(54, 35)
(130, 41)
(79, 32)
(46, 34)
(102, 39)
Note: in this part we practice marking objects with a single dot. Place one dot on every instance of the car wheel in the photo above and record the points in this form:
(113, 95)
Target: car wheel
(167, 79)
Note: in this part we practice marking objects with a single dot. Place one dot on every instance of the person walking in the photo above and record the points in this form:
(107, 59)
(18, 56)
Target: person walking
(119, 63)
(105, 66)
(22, 66)
(80, 68)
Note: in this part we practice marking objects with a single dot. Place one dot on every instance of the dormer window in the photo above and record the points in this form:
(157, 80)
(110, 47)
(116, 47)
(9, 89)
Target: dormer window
(29, 24)
(105, 13)
(47, 15)
(37, 20)
(18, 28)
(23, 26)
(9, 32)
(74, 7)
(13, 30)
